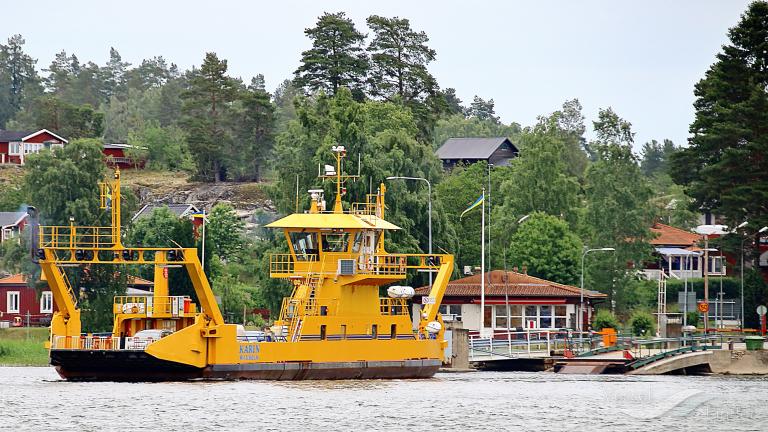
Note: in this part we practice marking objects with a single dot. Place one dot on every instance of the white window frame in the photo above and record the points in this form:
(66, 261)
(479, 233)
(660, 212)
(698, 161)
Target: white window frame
(10, 295)
(46, 299)
(14, 148)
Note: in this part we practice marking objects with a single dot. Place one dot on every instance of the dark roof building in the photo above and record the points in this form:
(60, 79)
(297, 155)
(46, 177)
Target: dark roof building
(12, 224)
(497, 151)
(16, 145)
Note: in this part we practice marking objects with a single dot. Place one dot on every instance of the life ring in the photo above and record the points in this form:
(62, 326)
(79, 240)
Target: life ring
(135, 309)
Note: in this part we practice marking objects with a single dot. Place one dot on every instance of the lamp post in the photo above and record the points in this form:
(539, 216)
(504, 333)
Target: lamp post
(581, 291)
(429, 216)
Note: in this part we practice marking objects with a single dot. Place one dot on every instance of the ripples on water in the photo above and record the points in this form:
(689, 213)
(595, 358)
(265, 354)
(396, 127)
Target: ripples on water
(35, 399)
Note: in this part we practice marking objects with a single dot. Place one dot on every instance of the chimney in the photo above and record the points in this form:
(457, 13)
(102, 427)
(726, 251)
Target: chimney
(514, 269)
(525, 270)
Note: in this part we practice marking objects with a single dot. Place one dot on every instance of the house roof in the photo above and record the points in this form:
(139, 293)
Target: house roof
(516, 285)
(11, 218)
(34, 134)
(180, 210)
(137, 281)
(116, 146)
(471, 148)
(16, 279)
(8, 136)
(671, 236)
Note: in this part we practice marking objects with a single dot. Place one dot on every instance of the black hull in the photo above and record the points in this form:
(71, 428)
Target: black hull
(136, 366)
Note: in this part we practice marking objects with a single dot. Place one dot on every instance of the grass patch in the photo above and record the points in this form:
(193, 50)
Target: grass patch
(23, 347)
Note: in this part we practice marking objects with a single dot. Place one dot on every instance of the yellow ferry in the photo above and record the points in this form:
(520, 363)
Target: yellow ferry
(334, 325)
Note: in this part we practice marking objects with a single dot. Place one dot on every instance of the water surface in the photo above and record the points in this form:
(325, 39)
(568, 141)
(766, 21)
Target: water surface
(36, 399)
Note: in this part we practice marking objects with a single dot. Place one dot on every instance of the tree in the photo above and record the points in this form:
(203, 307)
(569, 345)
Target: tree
(454, 103)
(98, 285)
(53, 113)
(482, 109)
(80, 163)
(224, 233)
(163, 148)
(113, 75)
(61, 72)
(540, 180)
(617, 213)
(336, 59)
(656, 157)
(724, 167)
(207, 103)
(399, 58)
(547, 247)
(255, 130)
(567, 124)
(17, 71)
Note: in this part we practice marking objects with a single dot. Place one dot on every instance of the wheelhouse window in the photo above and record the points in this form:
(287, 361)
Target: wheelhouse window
(304, 245)
(335, 242)
(46, 302)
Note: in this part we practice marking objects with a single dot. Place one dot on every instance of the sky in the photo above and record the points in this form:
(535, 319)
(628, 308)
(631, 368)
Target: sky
(641, 58)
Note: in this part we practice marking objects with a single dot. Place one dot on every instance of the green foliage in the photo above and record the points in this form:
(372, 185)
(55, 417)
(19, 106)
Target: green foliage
(693, 318)
(207, 103)
(617, 212)
(482, 109)
(68, 119)
(656, 157)
(336, 59)
(18, 77)
(162, 228)
(98, 287)
(642, 323)
(722, 168)
(545, 244)
(161, 147)
(65, 183)
(224, 233)
(541, 181)
(399, 58)
(605, 319)
(755, 294)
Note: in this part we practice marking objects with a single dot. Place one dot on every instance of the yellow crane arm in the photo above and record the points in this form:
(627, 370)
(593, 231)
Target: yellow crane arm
(439, 285)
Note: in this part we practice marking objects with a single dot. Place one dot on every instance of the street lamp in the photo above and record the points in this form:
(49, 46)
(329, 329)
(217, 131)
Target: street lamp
(429, 217)
(581, 292)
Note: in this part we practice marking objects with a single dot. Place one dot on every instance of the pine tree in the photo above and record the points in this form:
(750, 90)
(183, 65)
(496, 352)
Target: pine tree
(17, 71)
(725, 168)
(399, 58)
(336, 59)
(207, 103)
(482, 109)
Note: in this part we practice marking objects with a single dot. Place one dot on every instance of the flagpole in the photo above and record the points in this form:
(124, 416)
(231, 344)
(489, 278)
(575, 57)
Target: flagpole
(482, 267)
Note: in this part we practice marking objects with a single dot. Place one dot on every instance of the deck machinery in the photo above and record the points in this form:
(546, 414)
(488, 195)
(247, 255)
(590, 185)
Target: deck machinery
(334, 325)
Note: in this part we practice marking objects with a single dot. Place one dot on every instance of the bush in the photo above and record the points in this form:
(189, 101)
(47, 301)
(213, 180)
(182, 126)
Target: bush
(605, 319)
(693, 318)
(642, 324)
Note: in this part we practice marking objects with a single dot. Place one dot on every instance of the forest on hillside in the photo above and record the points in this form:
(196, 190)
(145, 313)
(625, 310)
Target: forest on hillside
(368, 87)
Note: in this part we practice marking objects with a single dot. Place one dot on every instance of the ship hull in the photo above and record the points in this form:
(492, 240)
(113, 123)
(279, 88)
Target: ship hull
(137, 365)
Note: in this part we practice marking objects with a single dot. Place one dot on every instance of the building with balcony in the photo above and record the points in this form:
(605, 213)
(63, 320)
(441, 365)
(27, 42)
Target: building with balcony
(513, 300)
(678, 254)
(118, 155)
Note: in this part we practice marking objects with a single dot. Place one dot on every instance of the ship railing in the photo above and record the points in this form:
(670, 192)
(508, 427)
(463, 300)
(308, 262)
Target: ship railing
(78, 237)
(285, 265)
(149, 306)
(393, 306)
(100, 343)
(293, 307)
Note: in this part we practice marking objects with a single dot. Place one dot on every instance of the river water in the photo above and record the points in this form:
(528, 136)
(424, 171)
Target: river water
(36, 399)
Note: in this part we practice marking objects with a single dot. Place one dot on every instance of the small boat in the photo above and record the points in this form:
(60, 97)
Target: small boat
(334, 325)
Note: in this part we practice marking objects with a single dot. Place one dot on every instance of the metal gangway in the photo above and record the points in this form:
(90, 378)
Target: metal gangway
(527, 344)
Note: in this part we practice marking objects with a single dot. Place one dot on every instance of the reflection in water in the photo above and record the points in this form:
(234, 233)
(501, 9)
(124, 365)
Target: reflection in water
(35, 399)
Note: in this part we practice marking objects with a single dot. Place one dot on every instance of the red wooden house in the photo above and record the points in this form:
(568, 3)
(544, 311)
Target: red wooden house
(18, 301)
(116, 156)
(12, 224)
(16, 145)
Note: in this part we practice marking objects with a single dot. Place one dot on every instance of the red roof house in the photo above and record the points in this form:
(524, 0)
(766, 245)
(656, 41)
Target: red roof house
(533, 302)
(16, 145)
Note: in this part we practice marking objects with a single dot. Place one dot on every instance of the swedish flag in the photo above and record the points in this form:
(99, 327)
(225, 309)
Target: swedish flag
(474, 205)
